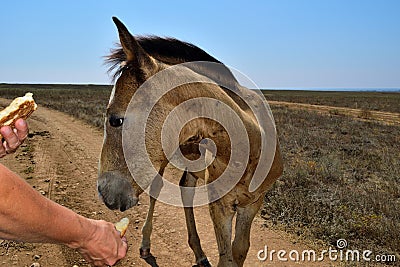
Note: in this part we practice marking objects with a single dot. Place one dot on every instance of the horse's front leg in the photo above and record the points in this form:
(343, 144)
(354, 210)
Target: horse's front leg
(187, 185)
(147, 228)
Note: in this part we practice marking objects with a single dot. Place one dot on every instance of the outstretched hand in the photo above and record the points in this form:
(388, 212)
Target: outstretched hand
(13, 138)
(104, 246)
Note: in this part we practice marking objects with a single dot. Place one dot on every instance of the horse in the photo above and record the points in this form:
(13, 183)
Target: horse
(202, 138)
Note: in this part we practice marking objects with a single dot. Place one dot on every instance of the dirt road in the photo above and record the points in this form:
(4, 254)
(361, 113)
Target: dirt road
(60, 160)
(360, 114)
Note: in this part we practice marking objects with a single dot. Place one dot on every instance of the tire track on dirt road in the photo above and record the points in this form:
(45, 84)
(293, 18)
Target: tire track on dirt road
(390, 118)
(65, 153)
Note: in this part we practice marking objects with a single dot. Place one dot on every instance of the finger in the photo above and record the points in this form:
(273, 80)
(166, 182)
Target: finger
(6, 131)
(11, 139)
(124, 246)
(22, 129)
(121, 252)
(2, 150)
(119, 232)
(98, 263)
(124, 249)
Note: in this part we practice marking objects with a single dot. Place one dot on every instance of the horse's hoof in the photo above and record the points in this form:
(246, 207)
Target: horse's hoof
(145, 253)
(204, 263)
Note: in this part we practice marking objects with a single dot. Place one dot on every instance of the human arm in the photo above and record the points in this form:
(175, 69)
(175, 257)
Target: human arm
(27, 216)
(13, 138)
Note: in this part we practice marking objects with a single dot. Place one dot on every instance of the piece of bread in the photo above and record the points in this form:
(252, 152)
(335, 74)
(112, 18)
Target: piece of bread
(21, 107)
(122, 226)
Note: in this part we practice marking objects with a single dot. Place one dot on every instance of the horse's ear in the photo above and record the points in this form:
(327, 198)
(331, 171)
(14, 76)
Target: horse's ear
(132, 49)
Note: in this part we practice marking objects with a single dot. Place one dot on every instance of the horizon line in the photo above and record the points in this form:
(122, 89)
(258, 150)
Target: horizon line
(313, 88)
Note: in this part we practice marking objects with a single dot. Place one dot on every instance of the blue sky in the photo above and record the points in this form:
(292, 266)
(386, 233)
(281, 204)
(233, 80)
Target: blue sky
(278, 44)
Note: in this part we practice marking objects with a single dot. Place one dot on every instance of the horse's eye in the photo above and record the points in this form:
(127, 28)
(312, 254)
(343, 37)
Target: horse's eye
(116, 121)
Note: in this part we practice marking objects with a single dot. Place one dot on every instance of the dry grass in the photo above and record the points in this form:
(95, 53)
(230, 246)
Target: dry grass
(342, 175)
(341, 180)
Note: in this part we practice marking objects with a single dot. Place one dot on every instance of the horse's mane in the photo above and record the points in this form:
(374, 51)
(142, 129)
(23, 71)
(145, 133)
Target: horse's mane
(170, 51)
(173, 51)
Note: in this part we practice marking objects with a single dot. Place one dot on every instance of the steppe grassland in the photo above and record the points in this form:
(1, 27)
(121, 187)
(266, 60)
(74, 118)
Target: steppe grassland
(342, 174)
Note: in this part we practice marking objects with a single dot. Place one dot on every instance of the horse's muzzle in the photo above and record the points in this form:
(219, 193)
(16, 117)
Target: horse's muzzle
(116, 191)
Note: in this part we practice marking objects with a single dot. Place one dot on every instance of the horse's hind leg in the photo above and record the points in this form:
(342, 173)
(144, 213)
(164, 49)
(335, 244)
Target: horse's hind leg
(241, 243)
(187, 194)
(147, 228)
(222, 215)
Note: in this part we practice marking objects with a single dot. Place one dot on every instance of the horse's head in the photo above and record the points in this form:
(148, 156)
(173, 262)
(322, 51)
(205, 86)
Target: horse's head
(146, 62)
(115, 185)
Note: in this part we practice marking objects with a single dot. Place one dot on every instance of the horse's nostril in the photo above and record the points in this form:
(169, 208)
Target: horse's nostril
(122, 208)
(129, 203)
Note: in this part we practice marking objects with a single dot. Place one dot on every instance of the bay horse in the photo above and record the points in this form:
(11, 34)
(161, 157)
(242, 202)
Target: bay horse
(202, 138)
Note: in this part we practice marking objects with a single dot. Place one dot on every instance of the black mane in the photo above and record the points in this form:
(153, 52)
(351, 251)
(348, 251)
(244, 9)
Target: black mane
(173, 51)
(167, 50)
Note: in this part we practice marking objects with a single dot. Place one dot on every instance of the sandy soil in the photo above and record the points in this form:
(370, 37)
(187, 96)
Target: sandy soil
(60, 158)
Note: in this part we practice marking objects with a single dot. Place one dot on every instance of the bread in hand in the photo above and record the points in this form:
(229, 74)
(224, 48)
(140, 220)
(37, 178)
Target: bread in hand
(20, 108)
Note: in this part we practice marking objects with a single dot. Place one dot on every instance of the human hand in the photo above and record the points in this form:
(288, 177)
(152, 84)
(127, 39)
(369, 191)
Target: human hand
(13, 138)
(104, 246)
